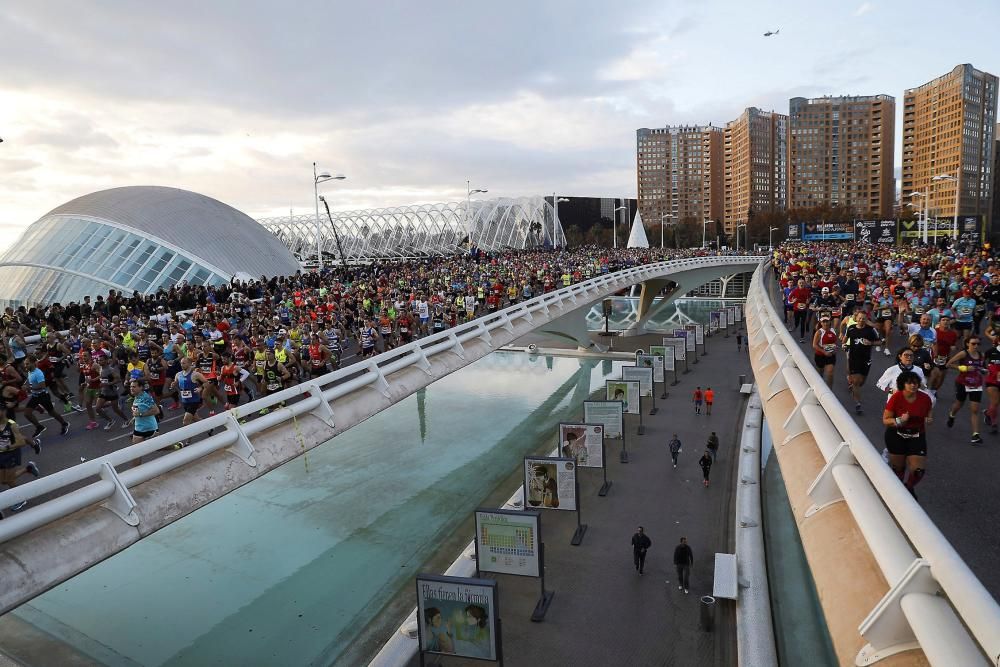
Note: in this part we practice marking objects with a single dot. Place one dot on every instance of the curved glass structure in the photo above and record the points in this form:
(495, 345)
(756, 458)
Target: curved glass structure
(424, 230)
(135, 239)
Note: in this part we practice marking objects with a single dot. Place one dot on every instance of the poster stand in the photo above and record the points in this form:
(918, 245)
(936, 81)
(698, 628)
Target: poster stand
(542, 606)
(623, 457)
(676, 381)
(607, 484)
(653, 410)
(641, 429)
(581, 528)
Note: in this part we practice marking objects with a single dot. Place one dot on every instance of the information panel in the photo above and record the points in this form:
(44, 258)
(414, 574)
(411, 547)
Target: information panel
(713, 321)
(606, 413)
(679, 344)
(687, 333)
(625, 391)
(699, 334)
(582, 442)
(457, 616)
(642, 374)
(652, 360)
(507, 541)
(550, 483)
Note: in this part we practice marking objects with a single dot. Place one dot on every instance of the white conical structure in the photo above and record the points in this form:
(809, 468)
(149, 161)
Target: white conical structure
(637, 239)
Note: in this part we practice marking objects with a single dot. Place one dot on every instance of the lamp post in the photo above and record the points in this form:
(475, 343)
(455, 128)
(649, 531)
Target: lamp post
(614, 223)
(662, 217)
(770, 237)
(321, 177)
(742, 224)
(555, 216)
(921, 194)
(704, 227)
(950, 177)
(468, 206)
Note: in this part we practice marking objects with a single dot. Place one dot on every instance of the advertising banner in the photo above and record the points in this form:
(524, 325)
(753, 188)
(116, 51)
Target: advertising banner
(641, 374)
(550, 483)
(723, 319)
(970, 228)
(582, 442)
(652, 360)
(457, 616)
(875, 231)
(626, 391)
(606, 413)
(713, 321)
(679, 344)
(828, 231)
(507, 541)
(794, 231)
(731, 315)
(738, 311)
(699, 334)
(690, 338)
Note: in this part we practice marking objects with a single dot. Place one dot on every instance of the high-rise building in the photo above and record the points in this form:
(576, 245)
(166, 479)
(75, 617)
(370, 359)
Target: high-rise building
(948, 142)
(756, 164)
(995, 217)
(840, 153)
(680, 173)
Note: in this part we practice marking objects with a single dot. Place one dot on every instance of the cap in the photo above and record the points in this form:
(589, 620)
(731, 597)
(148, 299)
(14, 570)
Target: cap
(825, 290)
(824, 317)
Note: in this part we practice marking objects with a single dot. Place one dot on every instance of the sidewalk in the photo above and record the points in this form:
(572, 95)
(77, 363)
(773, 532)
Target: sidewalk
(603, 612)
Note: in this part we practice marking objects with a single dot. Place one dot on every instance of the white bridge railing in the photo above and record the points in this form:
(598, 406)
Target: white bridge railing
(103, 480)
(934, 602)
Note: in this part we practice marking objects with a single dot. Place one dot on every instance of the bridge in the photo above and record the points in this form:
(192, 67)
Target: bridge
(97, 508)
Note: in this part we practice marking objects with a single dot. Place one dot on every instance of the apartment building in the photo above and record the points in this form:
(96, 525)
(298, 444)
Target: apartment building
(755, 175)
(841, 153)
(680, 173)
(948, 143)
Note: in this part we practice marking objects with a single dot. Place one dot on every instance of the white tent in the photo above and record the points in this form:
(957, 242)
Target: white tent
(637, 239)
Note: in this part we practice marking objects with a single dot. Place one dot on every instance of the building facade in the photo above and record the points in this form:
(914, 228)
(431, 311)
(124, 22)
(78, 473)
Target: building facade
(755, 166)
(948, 143)
(841, 153)
(680, 173)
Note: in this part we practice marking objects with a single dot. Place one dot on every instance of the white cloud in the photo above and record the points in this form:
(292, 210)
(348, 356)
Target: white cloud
(864, 9)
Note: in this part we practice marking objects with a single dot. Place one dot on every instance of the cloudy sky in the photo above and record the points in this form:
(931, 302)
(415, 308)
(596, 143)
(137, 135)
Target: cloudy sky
(411, 99)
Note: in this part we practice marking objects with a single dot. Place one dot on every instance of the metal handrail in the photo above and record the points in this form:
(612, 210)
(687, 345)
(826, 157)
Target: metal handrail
(315, 395)
(912, 553)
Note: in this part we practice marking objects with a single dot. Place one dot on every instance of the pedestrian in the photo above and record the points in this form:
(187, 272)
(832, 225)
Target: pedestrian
(706, 466)
(697, 398)
(683, 560)
(713, 445)
(709, 399)
(739, 341)
(640, 543)
(675, 448)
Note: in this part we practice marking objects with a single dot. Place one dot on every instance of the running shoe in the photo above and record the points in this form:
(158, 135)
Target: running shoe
(107, 427)
(78, 408)
(20, 506)
(878, 348)
(976, 439)
(91, 426)
(36, 444)
(174, 406)
(951, 420)
(857, 409)
(67, 408)
(887, 352)
(211, 413)
(802, 340)
(32, 467)
(65, 428)
(126, 424)
(38, 431)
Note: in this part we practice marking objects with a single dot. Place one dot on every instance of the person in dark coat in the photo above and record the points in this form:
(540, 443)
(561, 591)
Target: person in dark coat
(706, 465)
(683, 559)
(640, 543)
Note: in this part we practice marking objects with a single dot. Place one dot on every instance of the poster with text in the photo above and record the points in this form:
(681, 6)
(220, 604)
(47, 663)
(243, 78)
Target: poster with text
(723, 319)
(668, 358)
(679, 345)
(507, 541)
(582, 442)
(713, 321)
(549, 483)
(731, 314)
(699, 334)
(689, 329)
(652, 360)
(606, 413)
(457, 616)
(641, 374)
(738, 311)
(625, 391)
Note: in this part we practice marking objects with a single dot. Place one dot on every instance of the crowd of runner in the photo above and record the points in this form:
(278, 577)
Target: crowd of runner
(935, 310)
(124, 361)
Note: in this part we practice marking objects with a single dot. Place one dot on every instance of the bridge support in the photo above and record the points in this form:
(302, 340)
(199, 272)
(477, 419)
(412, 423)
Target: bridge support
(650, 289)
(572, 327)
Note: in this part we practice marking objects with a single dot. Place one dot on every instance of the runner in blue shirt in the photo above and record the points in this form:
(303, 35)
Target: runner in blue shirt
(965, 308)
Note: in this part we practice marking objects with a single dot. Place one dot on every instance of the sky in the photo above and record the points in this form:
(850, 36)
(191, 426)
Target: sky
(410, 100)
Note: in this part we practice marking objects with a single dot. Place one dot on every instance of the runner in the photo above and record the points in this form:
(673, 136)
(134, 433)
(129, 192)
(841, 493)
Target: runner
(38, 395)
(906, 416)
(971, 367)
(824, 344)
(860, 337)
(11, 442)
(189, 383)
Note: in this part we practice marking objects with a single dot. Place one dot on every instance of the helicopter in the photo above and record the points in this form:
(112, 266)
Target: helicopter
(772, 32)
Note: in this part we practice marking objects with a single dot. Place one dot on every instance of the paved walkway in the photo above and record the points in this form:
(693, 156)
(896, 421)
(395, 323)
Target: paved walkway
(603, 612)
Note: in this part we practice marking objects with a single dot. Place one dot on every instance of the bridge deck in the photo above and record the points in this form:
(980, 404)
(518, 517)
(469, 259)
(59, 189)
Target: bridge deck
(603, 612)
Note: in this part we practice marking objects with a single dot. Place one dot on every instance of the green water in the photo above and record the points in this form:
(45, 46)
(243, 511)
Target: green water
(291, 567)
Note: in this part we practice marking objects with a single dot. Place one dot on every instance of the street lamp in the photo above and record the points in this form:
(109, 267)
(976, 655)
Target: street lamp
(614, 222)
(921, 194)
(742, 224)
(949, 177)
(468, 206)
(662, 216)
(770, 237)
(321, 177)
(704, 226)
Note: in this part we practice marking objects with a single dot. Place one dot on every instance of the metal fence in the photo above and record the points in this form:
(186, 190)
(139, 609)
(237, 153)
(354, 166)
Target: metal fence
(934, 600)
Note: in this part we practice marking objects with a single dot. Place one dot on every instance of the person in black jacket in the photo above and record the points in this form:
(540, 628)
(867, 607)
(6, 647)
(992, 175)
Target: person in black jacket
(640, 543)
(683, 559)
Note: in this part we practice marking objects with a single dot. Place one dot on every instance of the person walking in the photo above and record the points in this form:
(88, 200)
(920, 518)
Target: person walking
(739, 341)
(697, 398)
(675, 448)
(709, 399)
(706, 466)
(713, 445)
(640, 544)
(683, 560)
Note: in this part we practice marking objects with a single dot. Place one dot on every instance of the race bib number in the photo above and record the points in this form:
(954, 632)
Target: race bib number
(186, 393)
(940, 361)
(800, 305)
(829, 348)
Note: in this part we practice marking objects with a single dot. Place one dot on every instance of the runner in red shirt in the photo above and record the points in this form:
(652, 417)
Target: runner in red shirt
(906, 417)
(697, 398)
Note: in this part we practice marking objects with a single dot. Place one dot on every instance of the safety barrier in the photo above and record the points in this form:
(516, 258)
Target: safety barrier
(934, 601)
(226, 432)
